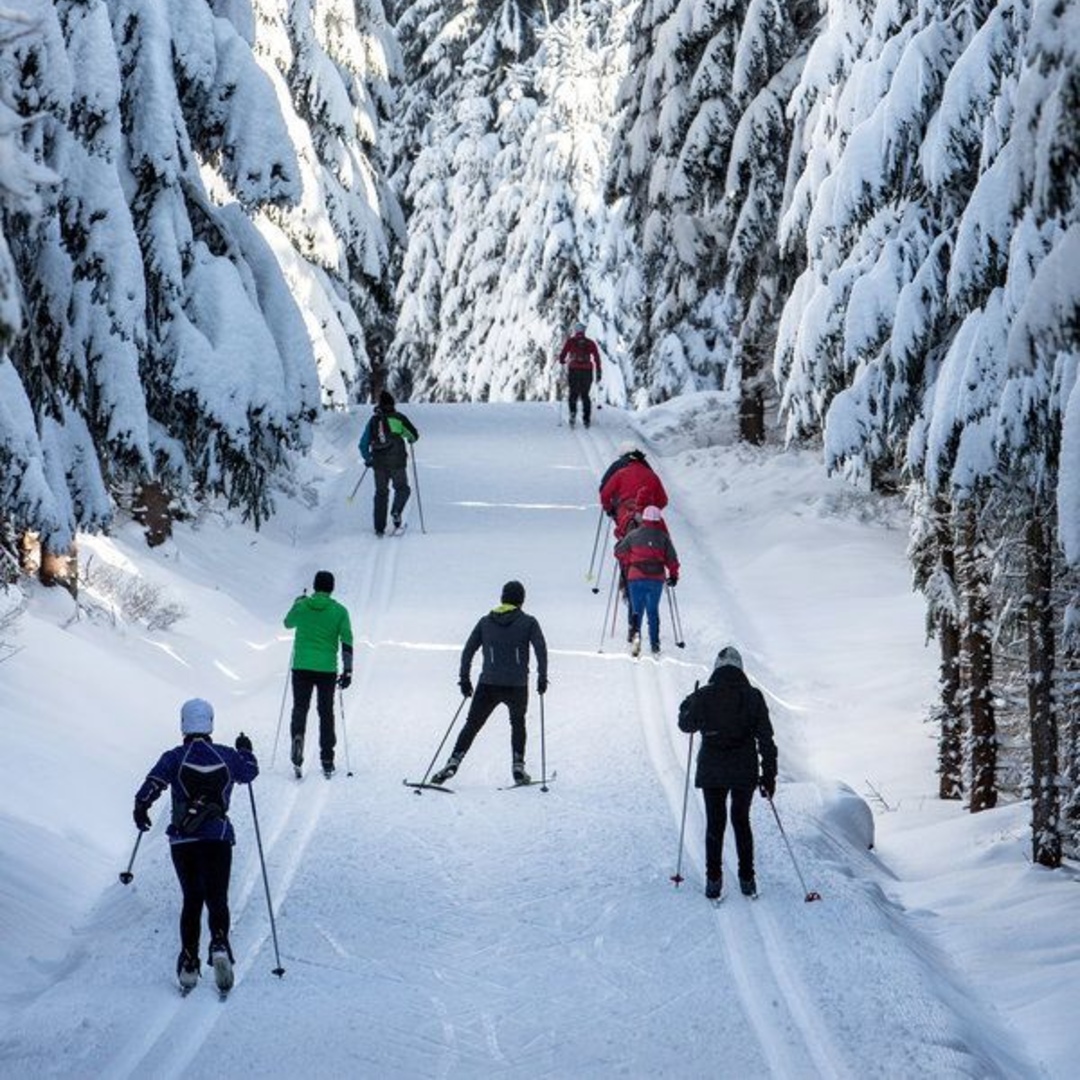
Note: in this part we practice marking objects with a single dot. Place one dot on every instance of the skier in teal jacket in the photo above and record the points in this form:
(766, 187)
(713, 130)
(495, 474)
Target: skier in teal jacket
(384, 448)
(321, 625)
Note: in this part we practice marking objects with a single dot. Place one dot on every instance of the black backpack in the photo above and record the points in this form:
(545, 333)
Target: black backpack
(382, 436)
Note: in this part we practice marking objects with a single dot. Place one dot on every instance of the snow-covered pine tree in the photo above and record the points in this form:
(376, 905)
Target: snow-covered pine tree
(334, 62)
(555, 212)
(29, 31)
(229, 385)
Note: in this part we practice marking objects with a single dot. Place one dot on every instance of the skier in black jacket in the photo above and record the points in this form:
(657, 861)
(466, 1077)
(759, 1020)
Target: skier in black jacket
(505, 634)
(735, 732)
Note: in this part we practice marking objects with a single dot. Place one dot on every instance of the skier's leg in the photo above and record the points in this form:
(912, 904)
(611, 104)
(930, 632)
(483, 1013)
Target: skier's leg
(586, 397)
(325, 681)
(402, 491)
(715, 824)
(483, 704)
(382, 497)
(637, 599)
(302, 685)
(189, 873)
(517, 701)
(744, 837)
(650, 601)
(217, 868)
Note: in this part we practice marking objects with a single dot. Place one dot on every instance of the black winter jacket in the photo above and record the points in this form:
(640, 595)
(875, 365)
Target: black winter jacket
(505, 635)
(735, 731)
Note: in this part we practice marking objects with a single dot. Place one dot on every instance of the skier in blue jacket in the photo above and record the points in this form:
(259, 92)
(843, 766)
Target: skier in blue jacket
(200, 775)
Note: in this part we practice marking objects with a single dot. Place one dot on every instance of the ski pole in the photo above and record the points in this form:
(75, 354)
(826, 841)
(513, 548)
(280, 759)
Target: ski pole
(677, 876)
(416, 484)
(279, 970)
(356, 488)
(543, 749)
(284, 695)
(610, 604)
(126, 876)
(595, 545)
(676, 621)
(810, 894)
(344, 730)
(435, 756)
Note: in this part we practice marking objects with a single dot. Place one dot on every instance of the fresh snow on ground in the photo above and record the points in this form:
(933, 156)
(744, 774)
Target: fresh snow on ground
(519, 933)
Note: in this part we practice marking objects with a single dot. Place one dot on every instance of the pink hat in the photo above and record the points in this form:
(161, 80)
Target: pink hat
(650, 513)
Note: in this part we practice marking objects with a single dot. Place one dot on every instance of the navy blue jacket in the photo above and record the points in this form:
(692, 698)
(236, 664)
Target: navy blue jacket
(505, 635)
(201, 775)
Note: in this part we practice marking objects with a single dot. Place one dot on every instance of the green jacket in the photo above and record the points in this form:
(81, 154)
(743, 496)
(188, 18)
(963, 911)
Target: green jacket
(320, 623)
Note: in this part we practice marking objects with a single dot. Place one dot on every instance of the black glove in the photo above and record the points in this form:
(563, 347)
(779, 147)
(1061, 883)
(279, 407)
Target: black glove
(243, 742)
(767, 787)
(466, 686)
(141, 815)
(344, 680)
(673, 580)
(541, 686)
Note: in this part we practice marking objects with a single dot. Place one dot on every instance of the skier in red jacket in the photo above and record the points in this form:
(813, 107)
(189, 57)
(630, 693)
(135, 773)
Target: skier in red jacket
(628, 487)
(648, 559)
(581, 357)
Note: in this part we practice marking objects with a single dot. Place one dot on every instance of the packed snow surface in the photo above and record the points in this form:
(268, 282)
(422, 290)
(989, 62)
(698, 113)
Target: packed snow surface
(524, 932)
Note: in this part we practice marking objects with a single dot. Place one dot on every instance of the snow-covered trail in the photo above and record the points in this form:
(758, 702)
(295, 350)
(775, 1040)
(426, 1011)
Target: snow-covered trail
(489, 932)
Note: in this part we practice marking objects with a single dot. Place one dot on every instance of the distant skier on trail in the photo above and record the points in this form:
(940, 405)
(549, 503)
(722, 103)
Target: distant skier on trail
(505, 633)
(735, 734)
(581, 357)
(384, 448)
(321, 625)
(200, 775)
(648, 559)
(629, 485)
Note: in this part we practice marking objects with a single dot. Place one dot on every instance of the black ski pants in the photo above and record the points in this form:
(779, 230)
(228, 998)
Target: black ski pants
(384, 477)
(323, 683)
(203, 868)
(716, 816)
(484, 702)
(579, 383)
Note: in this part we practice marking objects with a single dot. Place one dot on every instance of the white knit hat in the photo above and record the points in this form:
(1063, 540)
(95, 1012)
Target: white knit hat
(196, 717)
(728, 656)
(651, 513)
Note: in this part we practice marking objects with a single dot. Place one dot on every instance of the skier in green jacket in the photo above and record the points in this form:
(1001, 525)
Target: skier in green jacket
(321, 624)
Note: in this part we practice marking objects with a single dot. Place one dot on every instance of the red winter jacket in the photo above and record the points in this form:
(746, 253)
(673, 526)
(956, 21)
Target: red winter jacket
(582, 353)
(647, 552)
(629, 490)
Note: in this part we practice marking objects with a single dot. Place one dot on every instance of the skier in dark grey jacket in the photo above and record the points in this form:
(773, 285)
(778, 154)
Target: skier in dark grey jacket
(735, 732)
(505, 635)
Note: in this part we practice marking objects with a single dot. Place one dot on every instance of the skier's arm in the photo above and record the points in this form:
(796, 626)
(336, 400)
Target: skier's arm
(688, 713)
(365, 444)
(243, 766)
(765, 743)
(596, 360)
(468, 652)
(539, 645)
(293, 615)
(157, 780)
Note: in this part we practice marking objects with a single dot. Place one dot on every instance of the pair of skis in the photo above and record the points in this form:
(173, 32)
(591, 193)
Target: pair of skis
(425, 785)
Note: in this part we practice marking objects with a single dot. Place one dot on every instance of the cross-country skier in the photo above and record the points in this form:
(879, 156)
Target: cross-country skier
(628, 486)
(384, 448)
(200, 774)
(736, 735)
(505, 634)
(648, 559)
(581, 357)
(321, 625)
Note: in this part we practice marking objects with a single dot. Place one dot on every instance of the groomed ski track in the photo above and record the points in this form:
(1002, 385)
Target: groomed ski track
(483, 935)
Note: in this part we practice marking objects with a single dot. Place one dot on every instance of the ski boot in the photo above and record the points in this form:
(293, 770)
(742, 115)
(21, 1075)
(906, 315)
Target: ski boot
(447, 771)
(187, 971)
(221, 960)
(519, 773)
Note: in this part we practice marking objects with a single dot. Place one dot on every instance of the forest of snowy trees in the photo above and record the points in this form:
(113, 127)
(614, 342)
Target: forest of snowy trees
(856, 217)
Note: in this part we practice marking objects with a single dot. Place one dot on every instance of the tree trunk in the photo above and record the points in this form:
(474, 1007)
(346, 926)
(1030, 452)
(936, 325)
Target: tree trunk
(60, 568)
(1069, 705)
(978, 647)
(1045, 806)
(950, 709)
(153, 510)
(751, 396)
